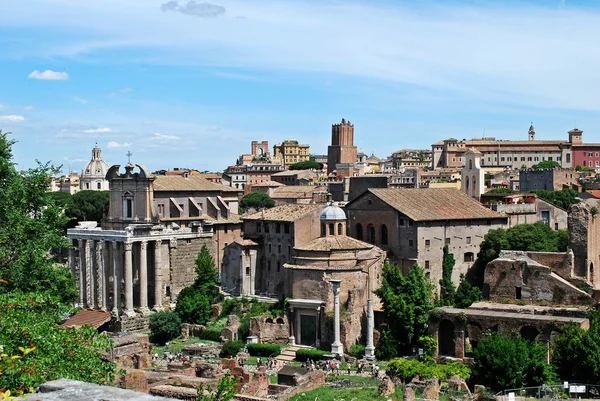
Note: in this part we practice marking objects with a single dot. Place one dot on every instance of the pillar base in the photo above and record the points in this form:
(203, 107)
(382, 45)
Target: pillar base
(115, 312)
(337, 348)
(369, 353)
(292, 340)
(158, 308)
(144, 311)
(129, 313)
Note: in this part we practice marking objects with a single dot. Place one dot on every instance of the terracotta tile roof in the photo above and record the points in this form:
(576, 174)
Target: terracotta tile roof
(339, 243)
(594, 192)
(300, 173)
(88, 317)
(191, 183)
(433, 204)
(269, 184)
(283, 213)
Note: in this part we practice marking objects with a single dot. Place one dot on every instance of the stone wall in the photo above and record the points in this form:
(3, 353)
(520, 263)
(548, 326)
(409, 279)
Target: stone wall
(270, 330)
(191, 330)
(560, 263)
(183, 263)
(584, 229)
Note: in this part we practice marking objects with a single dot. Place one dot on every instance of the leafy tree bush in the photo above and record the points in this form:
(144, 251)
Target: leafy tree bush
(500, 191)
(32, 225)
(211, 334)
(545, 165)
(507, 362)
(164, 326)
(407, 300)
(29, 321)
(466, 294)
(388, 346)
(563, 198)
(429, 346)
(314, 354)
(193, 306)
(88, 206)
(580, 168)
(226, 389)
(357, 350)
(256, 200)
(447, 290)
(263, 349)
(406, 369)
(231, 348)
(306, 165)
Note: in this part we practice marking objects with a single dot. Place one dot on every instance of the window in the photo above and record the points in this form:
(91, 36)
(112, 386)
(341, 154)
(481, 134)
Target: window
(278, 228)
(401, 222)
(161, 209)
(98, 185)
(546, 217)
(522, 159)
(550, 158)
(247, 270)
(289, 250)
(269, 265)
(427, 242)
(323, 230)
(128, 208)
(226, 229)
(270, 248)
(286, 228)
(411, 243)
(568, 157)
(469, 257)
(339, 228)
(278, 266)
(426, 264)
(371, 234)
(258, 227)
(447, 241)
(331, 229)
(266, 227)
(555, 226)
(529, 159)
(384, 235)
(468, 240)
(279, 248)
(359, 232)
(87, 185)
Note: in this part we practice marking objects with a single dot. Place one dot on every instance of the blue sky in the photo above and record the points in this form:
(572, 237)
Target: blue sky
(191, 83)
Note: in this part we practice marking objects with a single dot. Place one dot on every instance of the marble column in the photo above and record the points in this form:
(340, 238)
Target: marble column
(116, 279)
(129, 279)
(144, 277)
(158, 306)
(336, 347)
(99, 275)
(81, 265)
(105, 276)
(89, 274)
(370, 348)
(72, 261)
(292, 338)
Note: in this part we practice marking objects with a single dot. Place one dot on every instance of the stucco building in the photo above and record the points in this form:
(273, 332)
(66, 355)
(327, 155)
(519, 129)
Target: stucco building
(93, 175)
(526, 209)
(290, 152)
(549, 179)
(414, 225)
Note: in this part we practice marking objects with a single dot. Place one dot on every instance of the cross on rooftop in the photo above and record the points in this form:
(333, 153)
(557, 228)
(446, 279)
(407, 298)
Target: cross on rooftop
(129, 154)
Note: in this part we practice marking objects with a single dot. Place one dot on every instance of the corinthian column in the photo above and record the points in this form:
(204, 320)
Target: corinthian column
(157, 277)
(336, 347)
(370, 348)
(99, 275)
(81, 264)
(144, 277)
(116, 279)
(129, 280)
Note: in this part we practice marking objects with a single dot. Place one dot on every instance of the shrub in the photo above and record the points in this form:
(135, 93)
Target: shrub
(357, 350)
(211, 334)
(315, 354)
(164, 326)
(193, 306)
(264, 349)
(407, 369)
(388, 346)
(429, 346)
(231, 348)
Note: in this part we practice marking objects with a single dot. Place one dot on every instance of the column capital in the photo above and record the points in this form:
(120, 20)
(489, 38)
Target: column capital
(143, 245)
(128, 246)
(173, 243)
(157, 243)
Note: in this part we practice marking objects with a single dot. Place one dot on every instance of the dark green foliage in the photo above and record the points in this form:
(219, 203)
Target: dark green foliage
(576, 352)
(314, 354)
(546, 165)
(429, 346)
(563, 198)
(207, 276)
(225, 390)
(407, 300)
(193, 306)
(29, 320)
(306, 165)
(388, 346)
(447, 290)
(264, 349)
(164, 326)
(537, 237)
(466, 294)
(32, 225)
(580, 168)
(257, 200)
(88, 206)
(211, 334)
(407, 369)
(357, 350)
(500, 191)
(231, 348)
(511, 362)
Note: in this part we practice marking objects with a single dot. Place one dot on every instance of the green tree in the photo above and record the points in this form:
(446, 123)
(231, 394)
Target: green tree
(447, 290)
(546, 165)
(88, 206)
(306, 165)
(164, 326)
(507, 362)
(466, 294)
(407, 300)
(500, 191)
(257, 200)
(29, 321)
(225, 390)
(563, 198)
(32, 225)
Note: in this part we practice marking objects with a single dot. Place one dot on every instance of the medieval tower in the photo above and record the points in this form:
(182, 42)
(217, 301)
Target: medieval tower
(342, 149)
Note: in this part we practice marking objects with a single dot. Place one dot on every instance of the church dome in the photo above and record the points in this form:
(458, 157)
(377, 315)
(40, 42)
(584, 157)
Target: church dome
(333, 213)
(96, 167)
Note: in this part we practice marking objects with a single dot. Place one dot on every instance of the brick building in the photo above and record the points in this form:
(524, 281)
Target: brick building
(342, 149)
(261, 173)
(414, 225)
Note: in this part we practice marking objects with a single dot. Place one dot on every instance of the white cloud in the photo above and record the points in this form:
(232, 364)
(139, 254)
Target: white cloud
(164, 137)
(203, 10)
(28, 108)
(49, 75)
(12, 118)
(80, 100)
(97, 130)
(116, 145)
(2, 107)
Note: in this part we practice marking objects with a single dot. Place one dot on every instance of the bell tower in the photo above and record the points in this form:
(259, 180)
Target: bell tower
(342, 149)
(531, 133)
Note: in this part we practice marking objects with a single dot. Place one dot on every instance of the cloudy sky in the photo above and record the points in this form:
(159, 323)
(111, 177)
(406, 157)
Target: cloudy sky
(191, 83)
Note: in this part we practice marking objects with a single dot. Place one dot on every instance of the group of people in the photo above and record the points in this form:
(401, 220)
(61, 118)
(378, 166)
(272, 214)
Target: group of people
(333, 366)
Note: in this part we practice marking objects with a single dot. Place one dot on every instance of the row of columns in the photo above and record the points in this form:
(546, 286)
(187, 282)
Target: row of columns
(95, 270)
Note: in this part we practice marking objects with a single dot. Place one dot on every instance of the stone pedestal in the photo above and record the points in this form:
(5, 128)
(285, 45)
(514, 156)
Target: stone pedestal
(370, 348)
(336, 347)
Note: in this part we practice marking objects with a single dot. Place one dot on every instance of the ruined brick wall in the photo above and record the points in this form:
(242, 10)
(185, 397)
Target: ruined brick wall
(270, 330)
(560, 263)
(182, 262)
(131, 351)
(584, 230)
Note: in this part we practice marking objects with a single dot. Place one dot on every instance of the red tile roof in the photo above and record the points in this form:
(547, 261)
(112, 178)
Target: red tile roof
(88, 317)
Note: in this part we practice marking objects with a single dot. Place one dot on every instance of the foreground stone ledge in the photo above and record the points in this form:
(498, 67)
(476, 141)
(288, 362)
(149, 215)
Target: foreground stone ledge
(65, 389)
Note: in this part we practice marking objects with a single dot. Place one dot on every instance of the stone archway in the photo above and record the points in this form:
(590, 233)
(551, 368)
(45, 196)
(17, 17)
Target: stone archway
(446, 338)
(529, 333)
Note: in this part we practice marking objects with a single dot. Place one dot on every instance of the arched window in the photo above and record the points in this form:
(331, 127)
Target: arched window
(467, 185)
(371, 234)
(470, 164)
(339, 228)
(247, 270)
(359, 232)
(87, 185)
(384, 234)
(99, 185)
(128, 205)
(323, 230)
(331, 229)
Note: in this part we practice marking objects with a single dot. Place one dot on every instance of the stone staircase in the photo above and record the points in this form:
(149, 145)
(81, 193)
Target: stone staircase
(287, 355)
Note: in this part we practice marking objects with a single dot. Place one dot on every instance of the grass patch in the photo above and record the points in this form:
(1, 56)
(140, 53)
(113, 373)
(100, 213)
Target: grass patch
(350, 394)
(176, 345)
